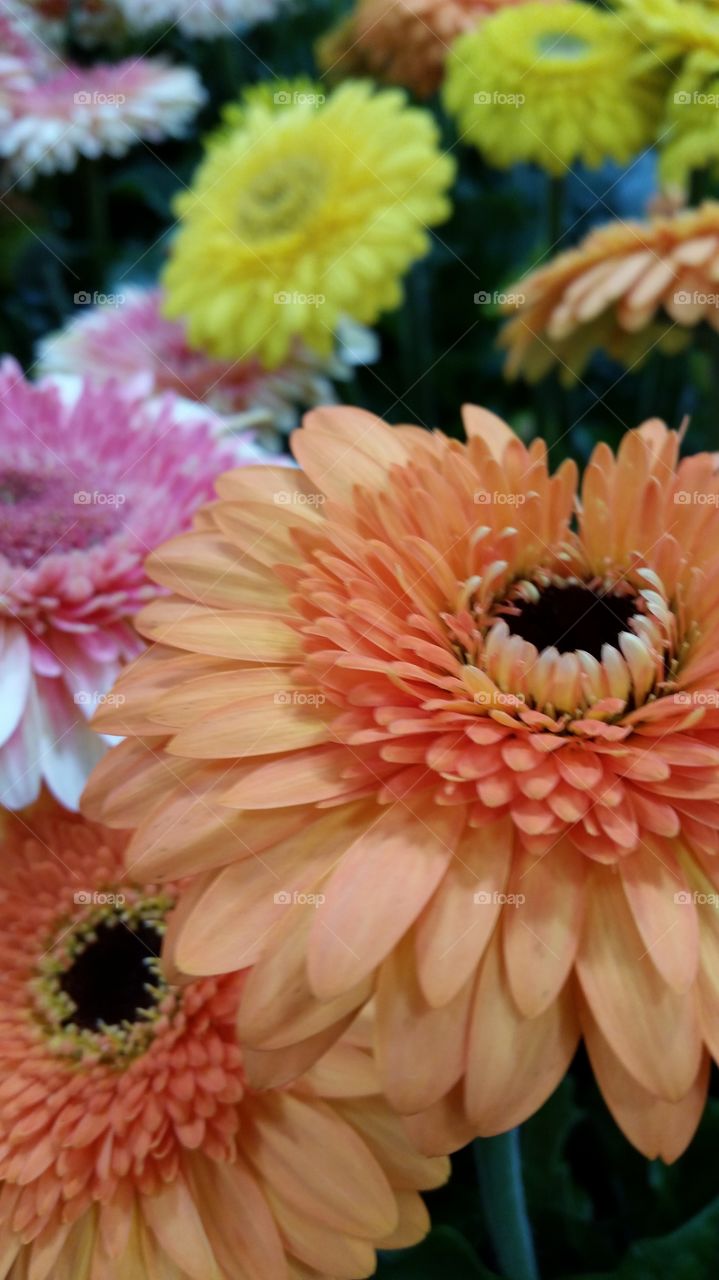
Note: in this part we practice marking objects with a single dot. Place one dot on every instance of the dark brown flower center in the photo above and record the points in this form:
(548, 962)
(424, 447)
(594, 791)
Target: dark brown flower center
(571, 617)
(115, 977)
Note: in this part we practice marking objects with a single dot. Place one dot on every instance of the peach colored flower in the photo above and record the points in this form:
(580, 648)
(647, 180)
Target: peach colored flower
(427, 725)
(130, 1141)
(627, 288)
(402, 42)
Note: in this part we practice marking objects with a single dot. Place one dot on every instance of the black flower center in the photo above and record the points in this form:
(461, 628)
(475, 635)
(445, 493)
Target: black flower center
(111, 981)
(572, 617)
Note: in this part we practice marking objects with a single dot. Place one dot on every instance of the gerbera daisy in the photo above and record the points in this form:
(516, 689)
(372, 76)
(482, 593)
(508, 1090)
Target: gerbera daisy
(67, 112)
(690, 133)
(509, 83)
(402, 42)
(627, 288)
(470, 727)
(137, 342)
(203, 19)
(305, 209)
(671, 28)
(130, 1141)
(91, 479)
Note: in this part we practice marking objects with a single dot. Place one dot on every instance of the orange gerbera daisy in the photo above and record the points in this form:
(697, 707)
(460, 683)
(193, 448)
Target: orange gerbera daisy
(402, 42)
(423, 727)
(130, 1142)
(627, 288)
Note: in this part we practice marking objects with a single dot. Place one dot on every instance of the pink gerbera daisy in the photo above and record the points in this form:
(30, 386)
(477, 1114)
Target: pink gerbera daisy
(136, 341)
(90, 481)
(53, 112)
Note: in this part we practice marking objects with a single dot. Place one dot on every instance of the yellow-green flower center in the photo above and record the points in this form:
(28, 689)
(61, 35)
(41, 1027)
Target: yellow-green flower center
(281, 197)
(98, 988)
(562, 44)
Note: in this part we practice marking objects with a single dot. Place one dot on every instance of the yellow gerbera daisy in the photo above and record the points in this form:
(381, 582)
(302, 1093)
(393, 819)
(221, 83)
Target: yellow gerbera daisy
(304, 209)
(673, 27)
(553, 84)
(692, 125)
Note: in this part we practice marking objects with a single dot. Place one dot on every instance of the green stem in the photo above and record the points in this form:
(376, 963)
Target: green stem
(98, 230)
(499, 1169)
(556, 192)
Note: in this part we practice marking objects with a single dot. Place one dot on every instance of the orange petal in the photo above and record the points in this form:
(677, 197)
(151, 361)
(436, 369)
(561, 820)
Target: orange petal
(651, 1028)
(541, 933)
(657, 893)
(660, 1129)
(420, 1050)
(342, 1186)
(379, 888)
(340, 447)
(514, 1063)
(457, 923)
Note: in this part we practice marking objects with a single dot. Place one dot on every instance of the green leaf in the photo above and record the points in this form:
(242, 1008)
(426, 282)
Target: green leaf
(445, 1253)
(685, 1254)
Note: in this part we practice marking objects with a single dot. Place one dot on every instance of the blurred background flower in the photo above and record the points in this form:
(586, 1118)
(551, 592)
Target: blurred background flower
(510, 83)
(628, 288)
(137, 343)
(91, 479)
(306, 208)
(402, 42)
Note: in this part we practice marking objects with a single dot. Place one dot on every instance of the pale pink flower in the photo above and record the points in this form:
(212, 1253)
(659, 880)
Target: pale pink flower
(91, 480)
(135, 341)
(52, 112)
